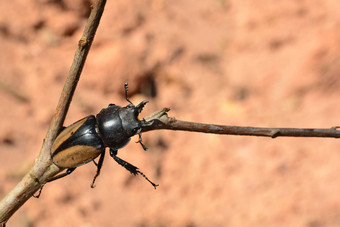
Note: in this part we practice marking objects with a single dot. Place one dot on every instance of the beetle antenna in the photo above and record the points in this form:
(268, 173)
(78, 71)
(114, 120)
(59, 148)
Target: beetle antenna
(126, 90)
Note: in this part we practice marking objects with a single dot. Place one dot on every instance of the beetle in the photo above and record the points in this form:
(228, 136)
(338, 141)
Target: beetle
(86, 139)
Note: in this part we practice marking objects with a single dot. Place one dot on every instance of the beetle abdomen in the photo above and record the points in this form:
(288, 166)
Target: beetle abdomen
(77, 144)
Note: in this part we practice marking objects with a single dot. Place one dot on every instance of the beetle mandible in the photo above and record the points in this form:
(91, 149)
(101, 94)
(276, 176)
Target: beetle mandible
(86, 139)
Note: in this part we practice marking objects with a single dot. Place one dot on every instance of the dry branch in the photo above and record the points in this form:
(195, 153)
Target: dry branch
(43, 167)
(160, 120)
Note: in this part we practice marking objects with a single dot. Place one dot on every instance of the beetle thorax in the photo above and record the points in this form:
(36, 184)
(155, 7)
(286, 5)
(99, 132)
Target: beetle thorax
(116, 125)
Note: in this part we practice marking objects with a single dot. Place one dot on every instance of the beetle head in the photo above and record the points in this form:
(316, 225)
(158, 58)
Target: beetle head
(117, 124)
(130, 120)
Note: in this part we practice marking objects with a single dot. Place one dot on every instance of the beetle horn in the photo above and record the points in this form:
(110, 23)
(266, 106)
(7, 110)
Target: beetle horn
(140, 106)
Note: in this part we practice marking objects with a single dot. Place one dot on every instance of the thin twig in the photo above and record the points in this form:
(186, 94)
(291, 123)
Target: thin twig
(43, 167)
(160, 120)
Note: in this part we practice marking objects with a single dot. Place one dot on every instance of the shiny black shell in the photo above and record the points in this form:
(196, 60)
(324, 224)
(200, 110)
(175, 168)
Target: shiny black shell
(77, 144)
(87, 138)
(117, 124)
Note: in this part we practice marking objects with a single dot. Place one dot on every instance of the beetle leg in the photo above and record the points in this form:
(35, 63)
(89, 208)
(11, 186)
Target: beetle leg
(99, 166)
(39, 193)
(131, 168)
(68, 172)
(140, 141)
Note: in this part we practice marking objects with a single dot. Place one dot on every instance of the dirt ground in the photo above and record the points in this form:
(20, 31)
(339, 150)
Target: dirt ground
(248, 63)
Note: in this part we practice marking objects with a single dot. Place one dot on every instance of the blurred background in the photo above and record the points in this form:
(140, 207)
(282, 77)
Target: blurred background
(248, 63)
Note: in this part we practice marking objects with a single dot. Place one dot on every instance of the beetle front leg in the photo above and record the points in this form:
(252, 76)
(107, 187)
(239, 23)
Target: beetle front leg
(140, 141)
(131, 168)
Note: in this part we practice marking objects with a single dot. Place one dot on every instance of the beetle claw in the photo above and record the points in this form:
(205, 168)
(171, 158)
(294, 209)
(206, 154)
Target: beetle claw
(39, 193)
(140, 106)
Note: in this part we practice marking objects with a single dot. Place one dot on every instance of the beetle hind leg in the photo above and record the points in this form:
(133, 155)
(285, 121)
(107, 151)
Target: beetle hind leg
(68, 172)
(131, 168)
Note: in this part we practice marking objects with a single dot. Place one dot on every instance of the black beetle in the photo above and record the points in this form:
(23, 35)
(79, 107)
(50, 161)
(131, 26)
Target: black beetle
(86, 139)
